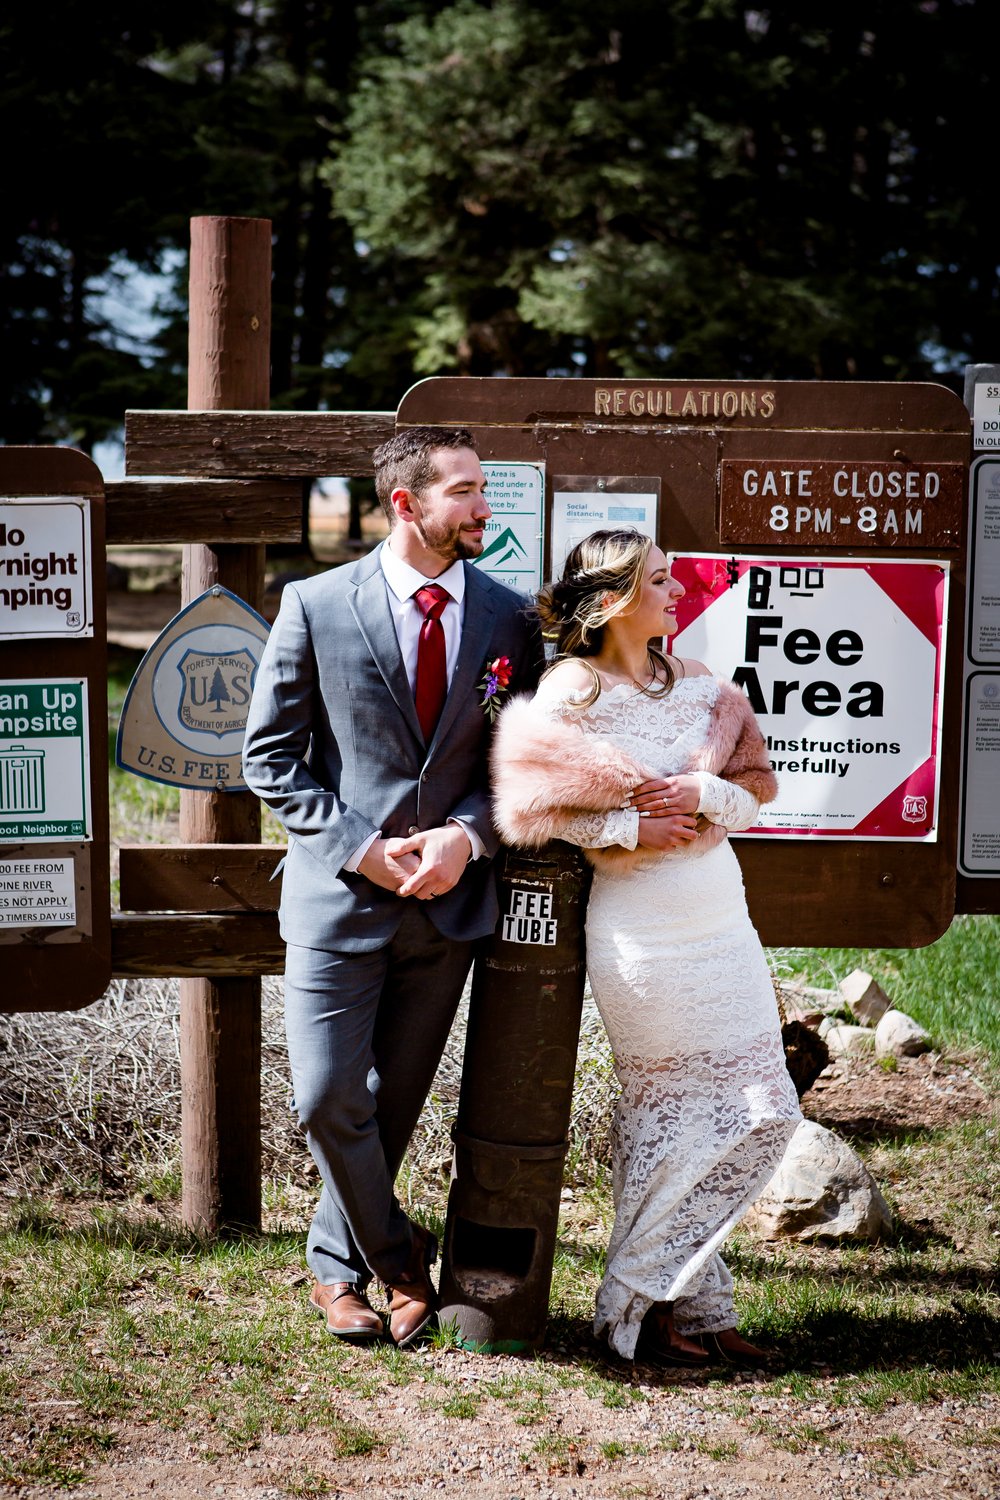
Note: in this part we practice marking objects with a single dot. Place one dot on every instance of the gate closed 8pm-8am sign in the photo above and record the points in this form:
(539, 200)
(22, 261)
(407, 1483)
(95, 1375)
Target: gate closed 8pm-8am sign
(842, 662)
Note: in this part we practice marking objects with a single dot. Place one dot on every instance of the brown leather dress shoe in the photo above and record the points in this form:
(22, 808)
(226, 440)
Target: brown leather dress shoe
(346, 1310)
(412, 1298)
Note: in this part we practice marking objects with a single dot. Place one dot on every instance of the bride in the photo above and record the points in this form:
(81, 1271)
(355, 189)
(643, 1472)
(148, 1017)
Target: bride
(645, 761)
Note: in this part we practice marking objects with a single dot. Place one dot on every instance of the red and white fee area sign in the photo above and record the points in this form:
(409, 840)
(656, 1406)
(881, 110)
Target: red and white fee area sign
(843, 664)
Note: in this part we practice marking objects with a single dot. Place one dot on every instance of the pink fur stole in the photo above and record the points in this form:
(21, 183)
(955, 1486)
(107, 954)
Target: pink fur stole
(547, 771)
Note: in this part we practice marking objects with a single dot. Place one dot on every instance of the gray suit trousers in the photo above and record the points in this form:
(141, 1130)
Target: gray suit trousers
(365, 1035)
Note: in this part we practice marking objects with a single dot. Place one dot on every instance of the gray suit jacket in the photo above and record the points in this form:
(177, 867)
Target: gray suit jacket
(334, 746)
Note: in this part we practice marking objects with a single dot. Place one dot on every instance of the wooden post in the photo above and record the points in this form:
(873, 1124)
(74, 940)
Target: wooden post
(228, 369)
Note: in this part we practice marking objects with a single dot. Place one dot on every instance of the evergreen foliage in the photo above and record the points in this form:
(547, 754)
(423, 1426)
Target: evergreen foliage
(648, 190)
(519, 187)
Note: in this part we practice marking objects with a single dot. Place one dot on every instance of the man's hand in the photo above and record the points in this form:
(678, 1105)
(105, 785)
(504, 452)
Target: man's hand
(385, 868)
(441, 854)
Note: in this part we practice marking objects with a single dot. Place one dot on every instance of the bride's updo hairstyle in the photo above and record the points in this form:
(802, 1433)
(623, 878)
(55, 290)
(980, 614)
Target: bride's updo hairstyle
(602, 578)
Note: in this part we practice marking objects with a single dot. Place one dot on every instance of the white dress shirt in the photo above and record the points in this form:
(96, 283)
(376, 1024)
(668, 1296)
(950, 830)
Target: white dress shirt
(402, 584)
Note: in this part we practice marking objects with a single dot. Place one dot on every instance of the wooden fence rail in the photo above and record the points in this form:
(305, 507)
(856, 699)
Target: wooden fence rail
(255, 444)
(203, 510)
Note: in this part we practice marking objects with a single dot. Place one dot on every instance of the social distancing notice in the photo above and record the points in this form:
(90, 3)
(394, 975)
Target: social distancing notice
(582, 505)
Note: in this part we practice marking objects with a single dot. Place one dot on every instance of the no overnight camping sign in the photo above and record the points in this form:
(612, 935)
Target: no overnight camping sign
(843, 664)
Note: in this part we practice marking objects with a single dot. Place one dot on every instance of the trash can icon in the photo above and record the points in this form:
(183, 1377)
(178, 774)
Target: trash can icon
(22, 780)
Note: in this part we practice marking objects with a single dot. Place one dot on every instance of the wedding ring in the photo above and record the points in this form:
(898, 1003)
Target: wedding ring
(665, 802)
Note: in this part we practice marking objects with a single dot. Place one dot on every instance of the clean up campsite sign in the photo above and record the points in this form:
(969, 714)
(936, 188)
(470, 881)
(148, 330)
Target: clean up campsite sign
(842, 662)
(44, 761)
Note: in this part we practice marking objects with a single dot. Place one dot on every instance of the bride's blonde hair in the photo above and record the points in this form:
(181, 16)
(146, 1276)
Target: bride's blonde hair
(576, 609)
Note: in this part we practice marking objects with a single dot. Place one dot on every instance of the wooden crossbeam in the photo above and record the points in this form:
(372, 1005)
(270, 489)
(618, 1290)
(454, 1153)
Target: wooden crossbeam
(196, 947)
(204, 510)
(199, 877)
(255, 444)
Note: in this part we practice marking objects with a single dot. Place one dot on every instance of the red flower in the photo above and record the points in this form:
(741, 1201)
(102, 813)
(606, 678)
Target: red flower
(494, 684)
(501, 670)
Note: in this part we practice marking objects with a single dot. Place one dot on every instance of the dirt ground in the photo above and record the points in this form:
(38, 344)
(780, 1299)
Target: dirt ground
(702, 1452)
(653, 1434)
(863, 1102)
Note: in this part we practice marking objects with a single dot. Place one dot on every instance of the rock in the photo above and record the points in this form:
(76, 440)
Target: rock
(867, 1000)
(847, 1041)
(822, 1190)
(899, 1035)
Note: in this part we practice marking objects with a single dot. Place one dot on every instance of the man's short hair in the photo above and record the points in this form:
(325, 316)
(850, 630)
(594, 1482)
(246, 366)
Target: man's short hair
(407, 460)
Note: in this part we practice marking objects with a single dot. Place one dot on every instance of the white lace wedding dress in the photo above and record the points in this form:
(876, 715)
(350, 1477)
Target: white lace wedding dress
(682, 985)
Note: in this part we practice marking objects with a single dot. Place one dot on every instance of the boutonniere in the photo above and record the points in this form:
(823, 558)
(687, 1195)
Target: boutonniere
(495, 684)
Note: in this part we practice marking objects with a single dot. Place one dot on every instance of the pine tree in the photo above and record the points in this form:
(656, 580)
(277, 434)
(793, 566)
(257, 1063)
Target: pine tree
(218, 693)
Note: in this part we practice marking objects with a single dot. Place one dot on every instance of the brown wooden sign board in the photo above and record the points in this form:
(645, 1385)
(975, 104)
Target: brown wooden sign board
(55, 932)
(887, 506)
(802, 891)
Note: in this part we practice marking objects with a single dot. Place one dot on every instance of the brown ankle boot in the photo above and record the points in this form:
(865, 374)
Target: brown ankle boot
(661, 1344)
(730, 1348)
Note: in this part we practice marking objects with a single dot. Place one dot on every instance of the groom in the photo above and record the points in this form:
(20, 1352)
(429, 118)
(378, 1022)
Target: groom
(368, 737)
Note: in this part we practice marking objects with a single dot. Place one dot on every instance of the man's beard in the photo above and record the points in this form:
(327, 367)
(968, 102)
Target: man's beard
(452, 546)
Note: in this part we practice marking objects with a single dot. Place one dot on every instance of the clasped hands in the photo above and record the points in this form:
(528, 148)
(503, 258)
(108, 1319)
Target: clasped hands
(425, 865)
(667, 808)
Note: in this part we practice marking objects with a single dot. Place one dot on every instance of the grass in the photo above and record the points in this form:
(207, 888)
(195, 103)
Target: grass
(149, 1325)
(146, 1327)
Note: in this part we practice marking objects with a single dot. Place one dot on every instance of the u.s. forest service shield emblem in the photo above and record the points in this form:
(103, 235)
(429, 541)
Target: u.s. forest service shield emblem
(215, 690)
(185, 714)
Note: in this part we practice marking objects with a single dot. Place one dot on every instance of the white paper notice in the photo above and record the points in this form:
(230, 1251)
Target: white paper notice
(37, 893)
(984, 564)
(576, 514)
(980, 844)
(986, 415)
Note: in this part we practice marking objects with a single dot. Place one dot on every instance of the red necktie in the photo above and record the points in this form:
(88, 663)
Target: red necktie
(432, 676)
